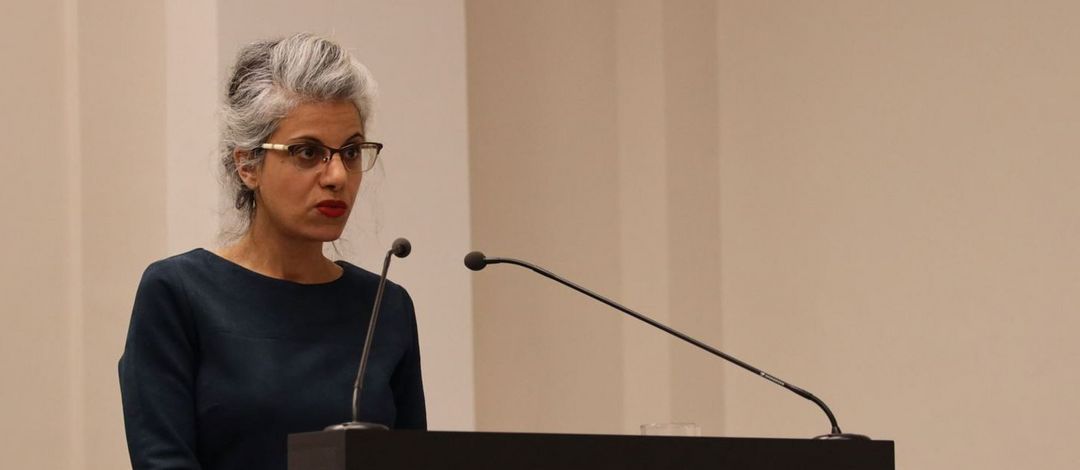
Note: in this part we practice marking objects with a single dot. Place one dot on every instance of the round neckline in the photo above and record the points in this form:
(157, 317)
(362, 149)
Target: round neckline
(239, 268)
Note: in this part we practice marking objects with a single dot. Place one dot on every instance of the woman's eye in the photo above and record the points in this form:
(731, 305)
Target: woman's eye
(351, 152)
(307, 152)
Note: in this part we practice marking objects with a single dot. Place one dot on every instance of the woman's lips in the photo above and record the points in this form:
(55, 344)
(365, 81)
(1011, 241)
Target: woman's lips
(333, 209)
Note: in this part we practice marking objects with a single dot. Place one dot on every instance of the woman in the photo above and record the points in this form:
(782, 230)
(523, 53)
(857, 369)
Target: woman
(230, 351)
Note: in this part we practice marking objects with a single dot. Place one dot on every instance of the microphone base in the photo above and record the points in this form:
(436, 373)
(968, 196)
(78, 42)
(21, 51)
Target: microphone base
(842, 437)
(357, 426)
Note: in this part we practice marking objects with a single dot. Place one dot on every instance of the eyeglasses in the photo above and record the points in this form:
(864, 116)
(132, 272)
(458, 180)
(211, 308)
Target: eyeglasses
(358, 156)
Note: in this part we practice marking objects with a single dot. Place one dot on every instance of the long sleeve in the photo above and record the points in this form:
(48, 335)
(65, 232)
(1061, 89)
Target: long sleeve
(406, 380)
(157, 374)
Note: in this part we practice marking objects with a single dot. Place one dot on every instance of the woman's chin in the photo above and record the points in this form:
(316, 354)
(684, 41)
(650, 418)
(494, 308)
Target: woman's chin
(325, 235)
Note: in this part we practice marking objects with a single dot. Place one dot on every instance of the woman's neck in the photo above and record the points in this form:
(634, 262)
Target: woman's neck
(282, 259)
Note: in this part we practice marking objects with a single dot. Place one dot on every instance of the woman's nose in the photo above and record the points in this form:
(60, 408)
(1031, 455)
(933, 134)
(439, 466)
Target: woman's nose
(334, 172)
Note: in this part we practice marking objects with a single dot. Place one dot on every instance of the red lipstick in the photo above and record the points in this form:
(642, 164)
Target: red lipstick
(332, 208)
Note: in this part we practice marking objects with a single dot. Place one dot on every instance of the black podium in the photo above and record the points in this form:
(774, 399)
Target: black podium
(419, 450)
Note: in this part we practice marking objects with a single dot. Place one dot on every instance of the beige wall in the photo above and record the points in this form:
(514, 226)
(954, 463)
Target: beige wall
(642, 185)
(122, 205)
(543, 138)
(191, 103)
(876, 201)
(899, 223)
(96, 111)
(594, 154)
(33, 351)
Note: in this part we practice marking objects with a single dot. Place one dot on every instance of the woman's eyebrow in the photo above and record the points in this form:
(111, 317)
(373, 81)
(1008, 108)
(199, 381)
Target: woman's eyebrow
(308, 138)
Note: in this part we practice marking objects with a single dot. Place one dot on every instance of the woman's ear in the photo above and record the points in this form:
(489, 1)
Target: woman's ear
(248, 173)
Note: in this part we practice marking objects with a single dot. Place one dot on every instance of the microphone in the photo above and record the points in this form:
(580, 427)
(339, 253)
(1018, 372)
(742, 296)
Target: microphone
(401, 248)
(477, 260)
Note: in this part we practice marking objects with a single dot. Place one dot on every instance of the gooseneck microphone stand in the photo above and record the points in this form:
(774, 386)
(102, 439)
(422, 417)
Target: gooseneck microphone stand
(477, 261)
(401, 249)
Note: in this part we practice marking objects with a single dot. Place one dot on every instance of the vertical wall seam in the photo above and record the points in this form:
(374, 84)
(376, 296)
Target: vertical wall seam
(73, 135)
(638, 23)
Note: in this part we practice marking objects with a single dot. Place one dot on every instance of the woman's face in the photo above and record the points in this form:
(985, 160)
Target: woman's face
(305, 204)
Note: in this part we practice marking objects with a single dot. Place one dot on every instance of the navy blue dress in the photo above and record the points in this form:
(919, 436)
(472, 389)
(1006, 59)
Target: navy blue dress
(221, 363)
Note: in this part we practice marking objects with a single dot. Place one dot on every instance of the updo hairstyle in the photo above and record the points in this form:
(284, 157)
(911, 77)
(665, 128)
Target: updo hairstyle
(269, 79)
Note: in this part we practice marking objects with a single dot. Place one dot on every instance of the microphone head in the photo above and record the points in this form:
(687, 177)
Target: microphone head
(475, 261)
(401, 248)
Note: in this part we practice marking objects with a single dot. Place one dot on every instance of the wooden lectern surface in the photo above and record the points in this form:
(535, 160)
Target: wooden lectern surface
(378, 450)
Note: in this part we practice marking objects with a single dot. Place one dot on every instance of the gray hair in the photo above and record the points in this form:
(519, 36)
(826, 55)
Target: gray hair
(268, 80)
